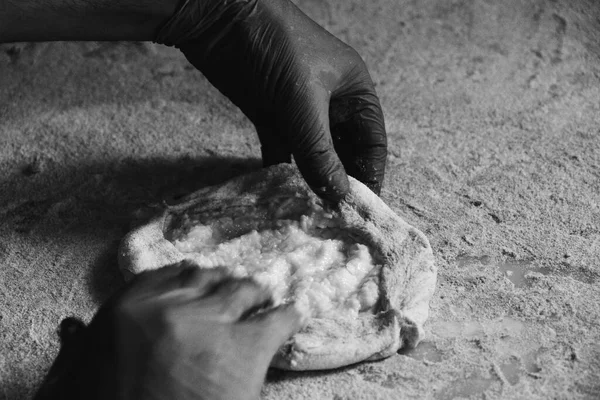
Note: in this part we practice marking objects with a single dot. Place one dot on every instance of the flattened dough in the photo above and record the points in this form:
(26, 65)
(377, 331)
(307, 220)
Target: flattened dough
(406, 274)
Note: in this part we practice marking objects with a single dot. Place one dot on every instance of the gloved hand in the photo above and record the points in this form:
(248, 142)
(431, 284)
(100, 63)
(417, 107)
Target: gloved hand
(174, 333)
(308, 94)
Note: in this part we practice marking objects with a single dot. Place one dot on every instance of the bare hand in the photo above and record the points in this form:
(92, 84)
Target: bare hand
(181, 333)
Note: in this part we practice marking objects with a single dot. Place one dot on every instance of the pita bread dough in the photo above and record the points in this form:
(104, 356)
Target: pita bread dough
(347, 331)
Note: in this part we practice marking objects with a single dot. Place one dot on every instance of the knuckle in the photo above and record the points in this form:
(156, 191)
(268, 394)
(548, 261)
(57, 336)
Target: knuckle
(186, 264)
(229, 312)
(167, 322)
(359, 67)
(238, 296)
(189, 273)
(123, 309)
(357, 59)
(352, 55)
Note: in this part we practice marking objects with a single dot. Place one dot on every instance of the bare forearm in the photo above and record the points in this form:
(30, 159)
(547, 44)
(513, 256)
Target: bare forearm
(49, 20)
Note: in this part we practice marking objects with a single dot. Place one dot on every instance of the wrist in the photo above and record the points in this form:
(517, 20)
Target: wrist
(52, 20)
(195, 19)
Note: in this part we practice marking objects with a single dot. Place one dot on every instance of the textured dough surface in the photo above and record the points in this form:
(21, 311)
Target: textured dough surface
(324, 277)
(406, 272)
(309, 261)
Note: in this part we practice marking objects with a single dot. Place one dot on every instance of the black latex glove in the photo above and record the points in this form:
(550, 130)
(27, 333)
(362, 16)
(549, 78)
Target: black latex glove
(308, 94)
(174, 333)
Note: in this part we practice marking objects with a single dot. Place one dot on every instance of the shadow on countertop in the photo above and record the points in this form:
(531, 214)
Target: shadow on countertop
(104, 200)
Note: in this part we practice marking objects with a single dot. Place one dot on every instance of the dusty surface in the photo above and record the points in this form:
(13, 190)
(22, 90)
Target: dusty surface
(493, 114)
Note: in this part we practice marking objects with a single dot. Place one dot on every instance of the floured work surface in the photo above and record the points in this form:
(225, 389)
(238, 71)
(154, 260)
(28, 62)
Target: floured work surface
(362, 276)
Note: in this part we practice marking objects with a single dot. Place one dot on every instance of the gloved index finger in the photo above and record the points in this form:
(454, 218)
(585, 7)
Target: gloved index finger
(312, 146)
(358, 130)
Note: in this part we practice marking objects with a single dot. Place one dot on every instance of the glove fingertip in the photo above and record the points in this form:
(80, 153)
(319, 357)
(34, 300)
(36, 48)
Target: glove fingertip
(336, 188)
(328, 179)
